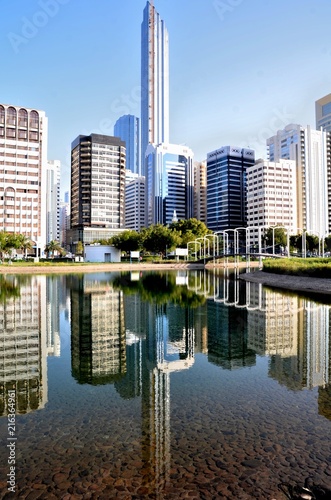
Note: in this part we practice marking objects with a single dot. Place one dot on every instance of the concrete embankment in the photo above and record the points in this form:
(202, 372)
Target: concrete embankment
(288, 282)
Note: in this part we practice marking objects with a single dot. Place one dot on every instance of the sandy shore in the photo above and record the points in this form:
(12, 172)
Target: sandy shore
(287, 282)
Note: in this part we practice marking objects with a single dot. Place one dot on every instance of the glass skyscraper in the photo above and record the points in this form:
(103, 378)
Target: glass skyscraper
(226, 187)
(154, 81)
(127, 129)
(169, 183)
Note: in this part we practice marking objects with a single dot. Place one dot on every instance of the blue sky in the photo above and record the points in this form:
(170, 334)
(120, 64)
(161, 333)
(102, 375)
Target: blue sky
(239, 69)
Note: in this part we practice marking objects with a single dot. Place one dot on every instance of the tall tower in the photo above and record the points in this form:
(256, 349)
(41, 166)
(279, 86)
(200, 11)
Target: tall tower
(127, 129)
(23, 166)
(226, 187)
(97, 187)
(154, 81)
(310, 149)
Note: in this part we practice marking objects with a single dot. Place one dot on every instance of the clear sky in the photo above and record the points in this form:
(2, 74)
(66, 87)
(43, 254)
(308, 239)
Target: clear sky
(239, 69)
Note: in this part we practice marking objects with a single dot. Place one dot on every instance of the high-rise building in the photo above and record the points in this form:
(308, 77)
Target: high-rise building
(23, 166)
(127, 129)
(226, 187)
(169, 186)
(154, 81)
(310, 149)
(135, 212)
(53, 200)
(200, 191)
(323, 113)
(97, 187)
(271, 196)
(64, 219)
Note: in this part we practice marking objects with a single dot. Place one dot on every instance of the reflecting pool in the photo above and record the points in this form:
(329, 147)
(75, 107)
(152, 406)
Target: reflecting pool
(179, 384)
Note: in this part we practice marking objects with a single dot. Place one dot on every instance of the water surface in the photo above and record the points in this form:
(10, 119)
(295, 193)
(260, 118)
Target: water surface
(163, 385)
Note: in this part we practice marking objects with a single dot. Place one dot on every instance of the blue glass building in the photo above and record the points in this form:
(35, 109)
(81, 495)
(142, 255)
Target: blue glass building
(169, 183)
(226, 187)
(127, 129)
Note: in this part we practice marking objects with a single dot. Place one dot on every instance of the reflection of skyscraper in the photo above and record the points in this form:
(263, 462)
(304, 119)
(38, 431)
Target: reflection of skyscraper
(23, 344)
(292, 330)
(272, 321)
(97, 331)
(52, 316)
(154, 80)
(227, 331)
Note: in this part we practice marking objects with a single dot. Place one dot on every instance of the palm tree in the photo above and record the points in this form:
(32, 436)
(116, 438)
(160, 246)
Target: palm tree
(52, 247)
(24, 243)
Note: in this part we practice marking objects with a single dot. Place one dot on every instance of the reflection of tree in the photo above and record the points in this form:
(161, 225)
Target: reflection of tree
(8, 289)
(159, 289)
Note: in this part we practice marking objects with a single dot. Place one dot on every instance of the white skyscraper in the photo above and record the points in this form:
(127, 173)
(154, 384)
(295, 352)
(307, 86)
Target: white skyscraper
(23, 165)
(310, 149)
(154, 81)
(271, 196)
(53, 200)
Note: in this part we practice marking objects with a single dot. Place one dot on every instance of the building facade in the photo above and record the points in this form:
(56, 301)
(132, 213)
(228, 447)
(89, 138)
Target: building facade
(323, 113)
(127, 129)
(154, 81)
(310, 149)
(97, 187)
(135, 208)
(169, 186)
(226, 187)
(271, 196)
(53, 200)
(200, 191)
(23, 166)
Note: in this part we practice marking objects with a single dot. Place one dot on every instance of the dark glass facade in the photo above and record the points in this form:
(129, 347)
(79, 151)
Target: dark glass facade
(226, 187)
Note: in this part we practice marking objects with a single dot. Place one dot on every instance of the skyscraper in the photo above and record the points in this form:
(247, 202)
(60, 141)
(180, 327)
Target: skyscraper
(127, 129)
(323, 113)
(226, 187)
(23, 165)
(97, 187)
(310, 149)
(53, 200)
(154, 81)
(169, 188)
(271, 196)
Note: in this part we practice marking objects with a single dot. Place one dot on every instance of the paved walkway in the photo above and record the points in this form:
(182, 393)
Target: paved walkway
(288, 282)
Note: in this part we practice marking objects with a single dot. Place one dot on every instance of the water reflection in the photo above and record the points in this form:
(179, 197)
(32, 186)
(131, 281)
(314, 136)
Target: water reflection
(138, 333)
(23, 343)
(97, 330)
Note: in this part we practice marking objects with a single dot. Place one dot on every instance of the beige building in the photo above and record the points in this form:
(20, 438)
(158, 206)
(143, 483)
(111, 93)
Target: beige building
(23, 166)
(271, 195)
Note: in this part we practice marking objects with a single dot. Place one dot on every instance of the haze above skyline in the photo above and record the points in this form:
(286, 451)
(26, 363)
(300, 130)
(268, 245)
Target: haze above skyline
(239, 69)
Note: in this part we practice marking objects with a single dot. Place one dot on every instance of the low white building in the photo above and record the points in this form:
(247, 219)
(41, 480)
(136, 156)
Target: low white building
(101, 253)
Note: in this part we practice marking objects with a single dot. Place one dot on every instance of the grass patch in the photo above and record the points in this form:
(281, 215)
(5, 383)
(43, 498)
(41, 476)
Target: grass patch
(313, 268)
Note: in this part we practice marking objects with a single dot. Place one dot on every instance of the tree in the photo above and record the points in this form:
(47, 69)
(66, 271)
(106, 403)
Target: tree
(79, 248)
(195, 226)
(275, 236)
(24, 243)
(52, 247)
(159, 239)
(8, 241)
(127, 241)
